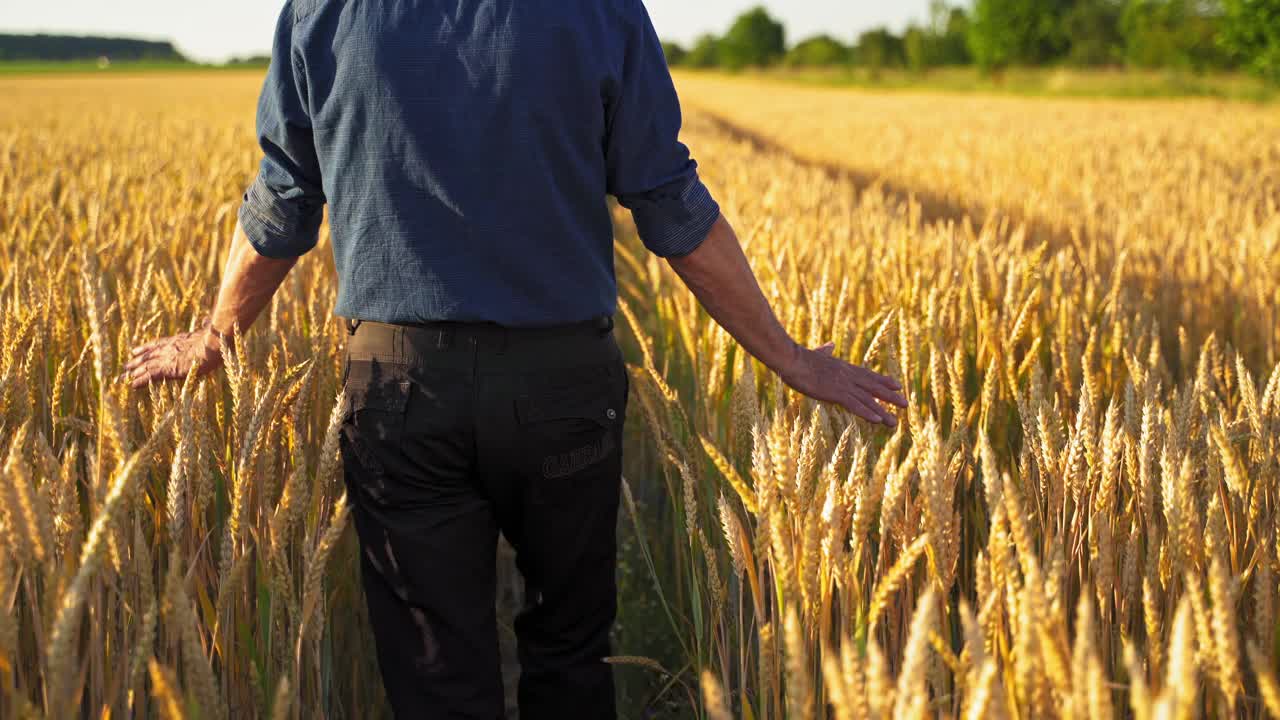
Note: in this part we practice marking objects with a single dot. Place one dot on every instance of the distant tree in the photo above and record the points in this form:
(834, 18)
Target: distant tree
(1149, 36)
(754, 39)
(1006, 32)
(1251, 31)
(250, 61)
(949, 31)
(877, 49)
(918, 47)
(1093, 32)
(818, 51)
(705, 52)
(1201, 36)
(674, 53)
(1173, 33)
(941, 41)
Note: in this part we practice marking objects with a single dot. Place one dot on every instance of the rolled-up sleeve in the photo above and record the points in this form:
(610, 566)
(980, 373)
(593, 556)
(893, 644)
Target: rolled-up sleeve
(650, 171)
(283, 208)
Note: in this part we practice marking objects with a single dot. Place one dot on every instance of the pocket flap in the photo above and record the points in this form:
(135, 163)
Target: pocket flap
(593, 401)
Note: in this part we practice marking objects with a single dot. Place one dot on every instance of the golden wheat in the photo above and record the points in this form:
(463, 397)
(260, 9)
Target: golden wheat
(1078, 296)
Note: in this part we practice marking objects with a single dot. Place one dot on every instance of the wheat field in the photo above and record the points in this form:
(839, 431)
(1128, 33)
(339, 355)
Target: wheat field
(1076, 518)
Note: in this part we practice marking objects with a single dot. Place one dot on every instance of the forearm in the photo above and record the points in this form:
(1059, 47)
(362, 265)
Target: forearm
(249, 281)
(718, 274)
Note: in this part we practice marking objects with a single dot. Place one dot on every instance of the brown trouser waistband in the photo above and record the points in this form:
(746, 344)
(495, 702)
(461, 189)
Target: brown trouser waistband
(451, 343)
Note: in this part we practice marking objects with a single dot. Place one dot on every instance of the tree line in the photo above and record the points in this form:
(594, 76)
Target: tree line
(1194, 35)
(59, 48)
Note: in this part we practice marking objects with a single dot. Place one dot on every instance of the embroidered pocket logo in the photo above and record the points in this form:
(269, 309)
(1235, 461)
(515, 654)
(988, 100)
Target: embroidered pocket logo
(567, 463)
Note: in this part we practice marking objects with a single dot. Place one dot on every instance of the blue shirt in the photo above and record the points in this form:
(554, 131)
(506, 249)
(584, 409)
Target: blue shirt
(466, 149)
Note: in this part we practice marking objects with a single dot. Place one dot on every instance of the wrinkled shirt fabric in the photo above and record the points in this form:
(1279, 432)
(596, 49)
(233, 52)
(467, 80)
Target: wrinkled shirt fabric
(466, 150)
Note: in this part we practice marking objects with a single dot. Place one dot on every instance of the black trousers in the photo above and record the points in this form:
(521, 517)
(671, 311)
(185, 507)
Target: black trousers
(453, 433)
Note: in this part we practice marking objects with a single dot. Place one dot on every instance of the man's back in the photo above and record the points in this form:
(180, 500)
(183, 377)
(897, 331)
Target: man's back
(465, 148)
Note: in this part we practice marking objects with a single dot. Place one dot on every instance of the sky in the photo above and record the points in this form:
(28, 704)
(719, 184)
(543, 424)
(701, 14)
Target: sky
(216, 31)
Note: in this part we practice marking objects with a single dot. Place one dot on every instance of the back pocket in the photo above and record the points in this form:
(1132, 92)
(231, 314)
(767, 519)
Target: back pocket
(375, 397)
(572, 427)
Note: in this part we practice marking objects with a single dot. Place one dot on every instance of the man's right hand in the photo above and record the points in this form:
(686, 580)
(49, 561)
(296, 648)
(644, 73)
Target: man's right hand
(173, 357)
(822, 376)
(248, 283)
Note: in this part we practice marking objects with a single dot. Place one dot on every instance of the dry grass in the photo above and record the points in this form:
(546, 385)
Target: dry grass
(1077, 517)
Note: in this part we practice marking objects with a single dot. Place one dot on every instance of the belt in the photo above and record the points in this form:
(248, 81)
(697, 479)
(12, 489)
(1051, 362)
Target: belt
(446, 333)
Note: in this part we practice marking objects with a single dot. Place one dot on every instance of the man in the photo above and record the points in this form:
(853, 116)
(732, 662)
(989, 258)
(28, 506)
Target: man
(465, 149)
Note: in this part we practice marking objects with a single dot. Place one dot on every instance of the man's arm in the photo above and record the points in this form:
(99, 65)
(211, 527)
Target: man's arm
(651, 173)
(278, 222)
(719, 276)
(249, 280)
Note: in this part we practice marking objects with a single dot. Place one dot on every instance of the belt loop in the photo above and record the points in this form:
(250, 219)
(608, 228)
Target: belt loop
(503, 332)
(444, 338)
(352, 325)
